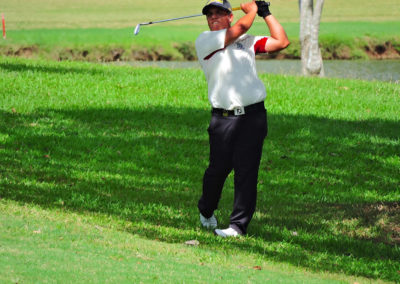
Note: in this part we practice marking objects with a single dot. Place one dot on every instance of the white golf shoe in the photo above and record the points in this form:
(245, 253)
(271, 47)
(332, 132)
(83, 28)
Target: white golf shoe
(208, 223)
(226, 233)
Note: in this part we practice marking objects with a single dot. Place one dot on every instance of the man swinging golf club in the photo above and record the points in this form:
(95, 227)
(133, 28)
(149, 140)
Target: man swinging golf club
(238, 123)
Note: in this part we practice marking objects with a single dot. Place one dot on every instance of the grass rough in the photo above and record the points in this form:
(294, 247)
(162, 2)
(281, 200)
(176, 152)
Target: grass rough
(128, 146)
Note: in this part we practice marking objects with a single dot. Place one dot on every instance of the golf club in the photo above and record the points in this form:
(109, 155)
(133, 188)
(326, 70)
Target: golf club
(173, 19)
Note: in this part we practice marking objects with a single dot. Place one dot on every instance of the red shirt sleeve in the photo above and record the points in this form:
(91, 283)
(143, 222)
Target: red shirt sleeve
(259, 46)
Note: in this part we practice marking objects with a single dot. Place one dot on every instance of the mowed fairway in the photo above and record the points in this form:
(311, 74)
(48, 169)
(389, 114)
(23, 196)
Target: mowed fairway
(51, 14)
(101, 169)
(101, 166)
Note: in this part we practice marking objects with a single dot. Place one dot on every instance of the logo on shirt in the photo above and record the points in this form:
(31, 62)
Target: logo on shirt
(239, 46)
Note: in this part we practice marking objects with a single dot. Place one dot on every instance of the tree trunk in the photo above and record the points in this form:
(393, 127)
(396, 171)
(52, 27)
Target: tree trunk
(311, 59)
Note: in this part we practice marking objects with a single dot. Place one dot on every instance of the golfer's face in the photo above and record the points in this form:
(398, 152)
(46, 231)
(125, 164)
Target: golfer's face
(218, 19)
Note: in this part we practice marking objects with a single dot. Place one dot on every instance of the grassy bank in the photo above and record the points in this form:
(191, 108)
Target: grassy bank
(103, 31)
(161, 42)
(102, 165)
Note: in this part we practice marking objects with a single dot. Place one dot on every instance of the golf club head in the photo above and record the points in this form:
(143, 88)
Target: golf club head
(137, 29)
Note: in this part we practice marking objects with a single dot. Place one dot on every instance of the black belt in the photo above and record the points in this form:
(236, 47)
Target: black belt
(258, 107)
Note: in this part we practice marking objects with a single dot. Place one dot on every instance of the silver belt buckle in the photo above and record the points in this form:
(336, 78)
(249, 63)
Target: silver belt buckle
(238, 111)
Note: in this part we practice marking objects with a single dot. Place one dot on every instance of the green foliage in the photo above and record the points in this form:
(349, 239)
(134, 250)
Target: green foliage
(187, 49)
(128, 146)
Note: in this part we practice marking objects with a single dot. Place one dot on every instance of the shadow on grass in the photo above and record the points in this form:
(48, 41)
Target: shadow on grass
(327, 192)
(24, 67)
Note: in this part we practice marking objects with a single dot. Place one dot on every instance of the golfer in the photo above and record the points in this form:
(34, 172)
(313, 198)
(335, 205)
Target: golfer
(238, 123)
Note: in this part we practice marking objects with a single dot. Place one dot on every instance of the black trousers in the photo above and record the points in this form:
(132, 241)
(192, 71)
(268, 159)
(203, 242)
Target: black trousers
(235, 143)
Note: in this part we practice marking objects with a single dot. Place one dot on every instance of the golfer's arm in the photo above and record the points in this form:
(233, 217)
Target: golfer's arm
(278, 39)
(239, 28)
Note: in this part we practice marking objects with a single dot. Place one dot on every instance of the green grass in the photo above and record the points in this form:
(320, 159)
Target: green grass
(164, 34)
(60, 246)
(102, 165)
(37, 14)
(177, 42)
(98, 30)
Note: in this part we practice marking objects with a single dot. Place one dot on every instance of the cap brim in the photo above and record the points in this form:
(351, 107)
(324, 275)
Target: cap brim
(205, 9)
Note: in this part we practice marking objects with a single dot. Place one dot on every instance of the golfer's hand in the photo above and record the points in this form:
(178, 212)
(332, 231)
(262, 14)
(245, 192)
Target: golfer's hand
(243, 24)
(249, 7)
(263, 9)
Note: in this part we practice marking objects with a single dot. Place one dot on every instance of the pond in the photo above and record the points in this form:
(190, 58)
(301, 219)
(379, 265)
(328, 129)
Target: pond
(380, 70)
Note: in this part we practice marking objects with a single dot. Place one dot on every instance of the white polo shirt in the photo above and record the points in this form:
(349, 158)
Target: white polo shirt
(231, 72)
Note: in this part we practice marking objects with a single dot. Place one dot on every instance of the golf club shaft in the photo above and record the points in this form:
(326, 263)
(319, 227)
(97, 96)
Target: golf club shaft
(136, 31)
(185, 17)
(173, 19)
